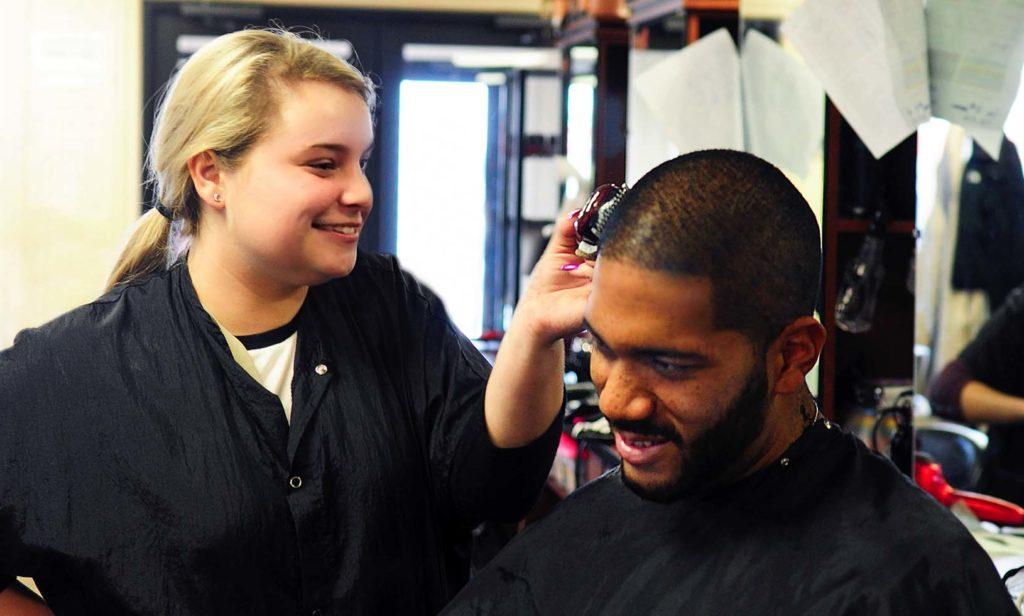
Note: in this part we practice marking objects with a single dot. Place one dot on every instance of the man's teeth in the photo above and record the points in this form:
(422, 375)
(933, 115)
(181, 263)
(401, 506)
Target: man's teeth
(642, 444)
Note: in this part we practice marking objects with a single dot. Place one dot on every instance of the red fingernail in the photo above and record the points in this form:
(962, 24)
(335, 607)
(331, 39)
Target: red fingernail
(568, 267)
(573, 214)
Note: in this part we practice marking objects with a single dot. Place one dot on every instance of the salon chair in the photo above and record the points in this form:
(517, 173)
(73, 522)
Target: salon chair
(962, 448)
(959, 449)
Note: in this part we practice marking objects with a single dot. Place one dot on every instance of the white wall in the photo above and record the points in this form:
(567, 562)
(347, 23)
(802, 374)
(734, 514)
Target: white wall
(70, 154)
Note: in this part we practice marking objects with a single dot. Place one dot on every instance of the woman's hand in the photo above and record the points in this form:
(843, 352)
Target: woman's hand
(551, 308)
(17, 600)
(525, 389)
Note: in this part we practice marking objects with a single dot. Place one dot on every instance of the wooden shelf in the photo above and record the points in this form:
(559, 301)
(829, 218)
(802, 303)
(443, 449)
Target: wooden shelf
(896, 227)
(582, 29)
(725, 6)
(646, 11)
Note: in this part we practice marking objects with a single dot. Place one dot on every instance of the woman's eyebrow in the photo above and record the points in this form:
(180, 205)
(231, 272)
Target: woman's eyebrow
(340, 147)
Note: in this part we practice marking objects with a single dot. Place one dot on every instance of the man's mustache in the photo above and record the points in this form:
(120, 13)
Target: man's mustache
(646, 428)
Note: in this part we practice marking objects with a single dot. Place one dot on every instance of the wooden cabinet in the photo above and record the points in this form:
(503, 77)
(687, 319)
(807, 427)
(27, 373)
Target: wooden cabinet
(609, 37)
(855, 185)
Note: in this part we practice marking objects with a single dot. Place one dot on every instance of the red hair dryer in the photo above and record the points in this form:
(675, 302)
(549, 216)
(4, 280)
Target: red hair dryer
(928, 475)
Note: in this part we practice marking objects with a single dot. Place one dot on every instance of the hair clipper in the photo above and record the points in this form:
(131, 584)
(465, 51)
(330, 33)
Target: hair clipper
(590, 220)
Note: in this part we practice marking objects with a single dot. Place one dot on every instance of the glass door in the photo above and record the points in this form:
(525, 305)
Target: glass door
(442, 192)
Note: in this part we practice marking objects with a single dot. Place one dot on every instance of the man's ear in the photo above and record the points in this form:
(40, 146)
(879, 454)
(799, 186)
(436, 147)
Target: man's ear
(795, 351)
(206, 171)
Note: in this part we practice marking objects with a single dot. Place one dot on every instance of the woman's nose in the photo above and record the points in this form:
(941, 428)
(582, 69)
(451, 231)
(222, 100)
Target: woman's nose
(356, 191)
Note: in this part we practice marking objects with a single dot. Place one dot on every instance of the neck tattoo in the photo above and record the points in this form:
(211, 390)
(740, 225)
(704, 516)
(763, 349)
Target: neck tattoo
(810, 417)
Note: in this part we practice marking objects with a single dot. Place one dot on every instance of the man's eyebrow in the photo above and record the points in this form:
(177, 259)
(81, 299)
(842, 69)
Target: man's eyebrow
(692, 356)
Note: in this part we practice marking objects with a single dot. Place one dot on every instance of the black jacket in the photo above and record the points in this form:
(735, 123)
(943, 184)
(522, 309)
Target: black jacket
(989, 252)
(143, 471)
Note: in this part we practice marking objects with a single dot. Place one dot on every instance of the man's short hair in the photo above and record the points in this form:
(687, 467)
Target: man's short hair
(734, 219)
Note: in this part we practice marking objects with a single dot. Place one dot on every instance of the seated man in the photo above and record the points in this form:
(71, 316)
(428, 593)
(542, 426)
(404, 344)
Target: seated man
(734, 496)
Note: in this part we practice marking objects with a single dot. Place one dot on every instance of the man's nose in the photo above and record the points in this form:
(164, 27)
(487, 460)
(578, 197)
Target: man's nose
(624, 395)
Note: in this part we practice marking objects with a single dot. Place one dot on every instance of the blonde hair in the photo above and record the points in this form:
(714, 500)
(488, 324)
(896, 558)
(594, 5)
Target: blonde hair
(222, 100)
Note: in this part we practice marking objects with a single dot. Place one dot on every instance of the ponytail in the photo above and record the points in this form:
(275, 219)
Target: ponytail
(146, 251)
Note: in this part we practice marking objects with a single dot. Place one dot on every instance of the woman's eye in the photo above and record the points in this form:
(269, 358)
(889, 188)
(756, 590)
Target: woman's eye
(363, 162)
(324, 165)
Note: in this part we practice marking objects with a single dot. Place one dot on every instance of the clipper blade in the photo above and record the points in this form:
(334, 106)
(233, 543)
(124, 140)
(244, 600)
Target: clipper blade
(592, 218)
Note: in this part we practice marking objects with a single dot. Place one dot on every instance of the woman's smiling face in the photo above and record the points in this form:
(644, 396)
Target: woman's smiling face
(295, 206)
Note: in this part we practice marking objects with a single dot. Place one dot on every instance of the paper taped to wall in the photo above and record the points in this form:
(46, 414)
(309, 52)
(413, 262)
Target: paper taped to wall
(647, 144)
(976, 51)
(783, 105)
(695, 93)
(872, 61)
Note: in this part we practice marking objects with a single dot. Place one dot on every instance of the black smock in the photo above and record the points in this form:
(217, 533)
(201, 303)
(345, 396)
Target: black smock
(828, 529)
(143, 471)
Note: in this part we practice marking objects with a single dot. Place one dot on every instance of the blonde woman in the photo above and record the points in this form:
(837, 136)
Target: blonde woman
(255, 418)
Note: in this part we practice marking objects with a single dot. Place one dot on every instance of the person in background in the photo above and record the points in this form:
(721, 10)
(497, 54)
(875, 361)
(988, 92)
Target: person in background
(734, 496)
(256, 418)
(985, 384)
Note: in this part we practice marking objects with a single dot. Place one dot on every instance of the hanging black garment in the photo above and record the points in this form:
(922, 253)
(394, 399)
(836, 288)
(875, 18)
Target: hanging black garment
(990, 234)
(143, 471)
(829, 528)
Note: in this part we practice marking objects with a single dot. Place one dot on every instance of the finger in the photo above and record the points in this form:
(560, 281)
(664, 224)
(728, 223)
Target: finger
(564, 224)
(578, 265)
(583, 271)
(563, 240)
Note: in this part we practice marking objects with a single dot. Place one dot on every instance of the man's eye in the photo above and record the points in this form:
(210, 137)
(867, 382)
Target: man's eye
(670, 368)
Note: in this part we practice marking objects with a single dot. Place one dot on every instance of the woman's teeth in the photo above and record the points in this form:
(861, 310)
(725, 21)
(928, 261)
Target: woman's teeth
(344, 230)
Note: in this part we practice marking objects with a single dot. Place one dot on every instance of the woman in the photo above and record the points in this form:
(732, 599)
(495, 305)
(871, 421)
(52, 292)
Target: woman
(985, 384)
(271, 424)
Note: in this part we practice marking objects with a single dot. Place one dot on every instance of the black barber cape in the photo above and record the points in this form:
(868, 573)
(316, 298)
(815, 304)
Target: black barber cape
(829, 529)
(142, 471)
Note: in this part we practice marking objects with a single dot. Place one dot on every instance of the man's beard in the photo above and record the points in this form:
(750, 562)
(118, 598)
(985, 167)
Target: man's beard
(710, 455)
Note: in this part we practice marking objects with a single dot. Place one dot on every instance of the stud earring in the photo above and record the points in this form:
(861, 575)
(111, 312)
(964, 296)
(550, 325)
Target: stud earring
(216, 197)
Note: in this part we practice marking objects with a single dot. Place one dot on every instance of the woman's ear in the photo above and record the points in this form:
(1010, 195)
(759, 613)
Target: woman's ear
(205, 169)
(796, 350)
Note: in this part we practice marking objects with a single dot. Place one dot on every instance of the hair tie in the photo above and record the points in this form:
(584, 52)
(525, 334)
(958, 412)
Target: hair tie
(159, 207)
